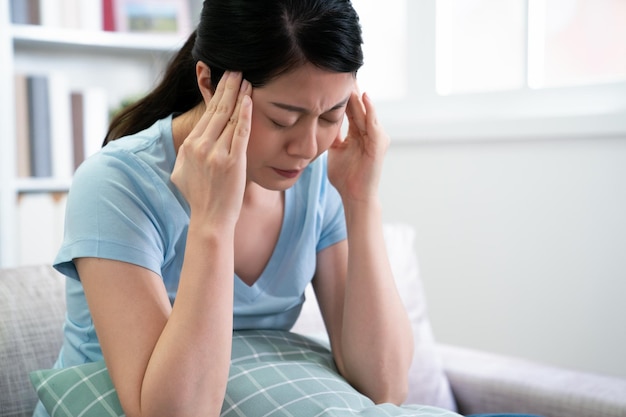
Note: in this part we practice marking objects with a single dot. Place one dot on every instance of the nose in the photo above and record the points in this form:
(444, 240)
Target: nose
(304, 142)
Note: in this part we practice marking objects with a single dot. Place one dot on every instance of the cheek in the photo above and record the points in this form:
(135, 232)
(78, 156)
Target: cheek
(262, 140)
(327, 138)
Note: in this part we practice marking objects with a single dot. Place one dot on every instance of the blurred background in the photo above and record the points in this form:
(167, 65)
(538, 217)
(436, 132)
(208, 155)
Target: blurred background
(508, 156)
(508, 153)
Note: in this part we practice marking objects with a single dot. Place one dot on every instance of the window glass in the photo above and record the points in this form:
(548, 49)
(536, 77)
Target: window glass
(385, 44)
(480, 45)
(576, 42)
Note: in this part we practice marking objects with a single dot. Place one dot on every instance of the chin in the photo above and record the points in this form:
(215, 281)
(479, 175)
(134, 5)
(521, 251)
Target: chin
(275, 184)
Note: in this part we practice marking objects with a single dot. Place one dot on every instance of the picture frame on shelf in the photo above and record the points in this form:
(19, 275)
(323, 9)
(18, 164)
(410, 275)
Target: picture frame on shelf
(152, 16)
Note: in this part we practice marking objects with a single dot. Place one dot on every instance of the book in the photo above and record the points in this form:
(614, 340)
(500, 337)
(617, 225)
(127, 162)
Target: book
(108, 15)
(91, 15)
(73, 14)
(89, 121)
(40, 226)
(51, 13)
(25, 12)
(78, 134)
(39, 126)
(21, 126)
(59, 96)
(96, 120)
(19, 12)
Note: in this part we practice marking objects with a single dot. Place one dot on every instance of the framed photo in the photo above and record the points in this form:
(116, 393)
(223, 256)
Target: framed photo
(152, 16)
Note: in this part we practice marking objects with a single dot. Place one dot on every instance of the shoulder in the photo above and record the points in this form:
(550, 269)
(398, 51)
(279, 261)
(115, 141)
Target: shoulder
(143, 159)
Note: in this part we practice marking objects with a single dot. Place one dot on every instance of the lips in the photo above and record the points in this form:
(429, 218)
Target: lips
(290, 173)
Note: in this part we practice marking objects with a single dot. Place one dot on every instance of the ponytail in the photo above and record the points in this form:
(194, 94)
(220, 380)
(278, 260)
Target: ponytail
(176, 93)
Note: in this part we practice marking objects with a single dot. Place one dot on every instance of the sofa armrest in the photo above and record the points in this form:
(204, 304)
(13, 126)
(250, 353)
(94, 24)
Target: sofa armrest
(490, 383)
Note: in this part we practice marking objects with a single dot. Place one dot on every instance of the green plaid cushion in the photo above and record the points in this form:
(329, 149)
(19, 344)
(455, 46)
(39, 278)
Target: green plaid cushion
(85, 390)
(272, 373)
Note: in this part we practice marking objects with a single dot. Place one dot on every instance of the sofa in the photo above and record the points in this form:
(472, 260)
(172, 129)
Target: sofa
(468, 381)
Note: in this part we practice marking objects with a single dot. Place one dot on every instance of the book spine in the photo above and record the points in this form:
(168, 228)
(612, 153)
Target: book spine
(108, 15)
(91, 15)
(96, 119)
(71, 13)
(51, 13)
(60, 126)
(34, 10)
(19, 12)
(78, 128)
(39, 126)
(21, 126)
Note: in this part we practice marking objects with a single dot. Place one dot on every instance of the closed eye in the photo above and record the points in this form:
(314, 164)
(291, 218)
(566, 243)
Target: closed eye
(331, 121)
(279, 125)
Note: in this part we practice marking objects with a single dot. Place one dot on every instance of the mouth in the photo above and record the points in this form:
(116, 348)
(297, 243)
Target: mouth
(290, 173)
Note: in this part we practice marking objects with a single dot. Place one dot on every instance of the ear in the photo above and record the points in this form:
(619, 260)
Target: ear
(203, 75)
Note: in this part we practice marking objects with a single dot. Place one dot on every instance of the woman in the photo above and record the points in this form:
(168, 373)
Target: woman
(224, 168)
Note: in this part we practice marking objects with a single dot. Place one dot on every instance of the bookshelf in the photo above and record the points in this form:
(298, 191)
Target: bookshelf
(120, 64)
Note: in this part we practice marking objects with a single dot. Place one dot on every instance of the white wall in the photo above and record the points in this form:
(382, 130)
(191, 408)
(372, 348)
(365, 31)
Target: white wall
(522, 245)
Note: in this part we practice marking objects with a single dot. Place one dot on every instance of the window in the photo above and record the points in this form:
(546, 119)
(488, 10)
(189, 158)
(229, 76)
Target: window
(385, 72)
(576, 42)
(496, 68)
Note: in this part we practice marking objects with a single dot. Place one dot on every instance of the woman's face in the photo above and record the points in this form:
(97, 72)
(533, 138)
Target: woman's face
(295, 118)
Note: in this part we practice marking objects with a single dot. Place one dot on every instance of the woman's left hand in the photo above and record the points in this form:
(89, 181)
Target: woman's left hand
(355, 163)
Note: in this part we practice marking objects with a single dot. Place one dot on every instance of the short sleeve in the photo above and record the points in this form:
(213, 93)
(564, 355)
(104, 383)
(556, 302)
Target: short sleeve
(333, 221)
(111, 214)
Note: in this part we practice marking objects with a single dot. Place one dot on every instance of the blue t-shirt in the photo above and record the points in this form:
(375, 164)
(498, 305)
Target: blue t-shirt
(123, 206)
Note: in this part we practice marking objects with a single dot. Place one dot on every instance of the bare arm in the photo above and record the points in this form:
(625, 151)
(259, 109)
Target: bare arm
(174, 361)
(369, 329)
(164, 361)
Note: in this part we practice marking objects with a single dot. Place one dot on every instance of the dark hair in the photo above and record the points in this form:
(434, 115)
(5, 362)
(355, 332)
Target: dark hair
(261, 38)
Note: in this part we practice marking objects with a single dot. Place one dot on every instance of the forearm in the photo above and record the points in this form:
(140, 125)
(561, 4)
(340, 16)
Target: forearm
(377, 342)
(188, 369)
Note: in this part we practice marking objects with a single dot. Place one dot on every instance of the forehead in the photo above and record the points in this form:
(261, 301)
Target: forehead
(307, 87)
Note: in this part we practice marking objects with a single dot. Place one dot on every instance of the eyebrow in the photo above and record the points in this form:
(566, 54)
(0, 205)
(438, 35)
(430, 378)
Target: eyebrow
(297, 109)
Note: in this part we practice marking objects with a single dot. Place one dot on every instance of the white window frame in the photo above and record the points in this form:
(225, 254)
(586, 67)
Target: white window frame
(552, 113)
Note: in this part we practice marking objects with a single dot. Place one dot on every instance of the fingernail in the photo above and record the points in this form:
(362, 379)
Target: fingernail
(244, 85)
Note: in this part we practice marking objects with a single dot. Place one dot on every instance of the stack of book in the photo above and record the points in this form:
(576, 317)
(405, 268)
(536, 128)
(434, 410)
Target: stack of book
(57, 128)
(160, 16)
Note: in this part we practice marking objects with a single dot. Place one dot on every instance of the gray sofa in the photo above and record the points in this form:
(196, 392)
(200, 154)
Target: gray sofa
(32, 312)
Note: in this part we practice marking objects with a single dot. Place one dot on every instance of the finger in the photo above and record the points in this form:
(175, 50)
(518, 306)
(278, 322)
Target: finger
(223, 104)
(371, 119)
(356, 115)
(204, 120)
(228, 132)
(375, 129)
(241, 134)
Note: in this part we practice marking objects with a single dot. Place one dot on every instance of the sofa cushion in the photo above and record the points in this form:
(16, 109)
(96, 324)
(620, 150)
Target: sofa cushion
(272, 373)
(32, 309)
(428, 383)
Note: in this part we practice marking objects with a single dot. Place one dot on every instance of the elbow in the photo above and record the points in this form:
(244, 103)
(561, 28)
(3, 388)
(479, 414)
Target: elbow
(385, 386)
(186, 402)
(394, 392)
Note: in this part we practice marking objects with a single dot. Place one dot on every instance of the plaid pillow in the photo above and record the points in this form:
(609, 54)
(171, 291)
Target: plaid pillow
(85, 390)
(272, 373)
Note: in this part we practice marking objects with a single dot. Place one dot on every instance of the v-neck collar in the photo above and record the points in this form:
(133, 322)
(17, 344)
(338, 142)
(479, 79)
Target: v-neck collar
(262, 283)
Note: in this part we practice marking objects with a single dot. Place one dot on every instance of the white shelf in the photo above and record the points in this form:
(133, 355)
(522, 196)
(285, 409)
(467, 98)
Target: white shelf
(41, 185)
(119, 63)
(25, 36)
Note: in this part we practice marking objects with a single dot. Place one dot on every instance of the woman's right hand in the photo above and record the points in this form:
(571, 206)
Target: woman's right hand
(210, 168)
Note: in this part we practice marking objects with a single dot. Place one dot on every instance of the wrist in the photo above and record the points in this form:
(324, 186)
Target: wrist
(362, 211)
(207, 230)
